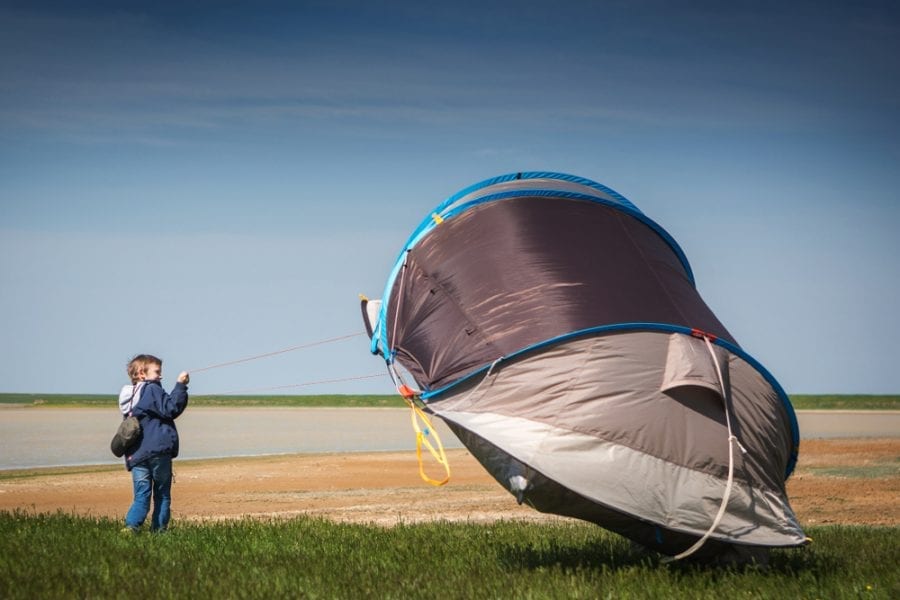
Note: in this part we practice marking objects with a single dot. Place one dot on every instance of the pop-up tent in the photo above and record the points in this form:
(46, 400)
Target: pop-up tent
(558, 332)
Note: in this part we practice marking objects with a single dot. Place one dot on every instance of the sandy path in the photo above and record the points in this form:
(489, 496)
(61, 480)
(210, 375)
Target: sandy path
(837, 481)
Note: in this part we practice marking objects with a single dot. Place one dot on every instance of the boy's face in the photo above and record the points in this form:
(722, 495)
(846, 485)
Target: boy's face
(152, 372)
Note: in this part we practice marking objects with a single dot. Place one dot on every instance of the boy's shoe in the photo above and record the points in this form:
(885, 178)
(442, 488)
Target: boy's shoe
(128, 531)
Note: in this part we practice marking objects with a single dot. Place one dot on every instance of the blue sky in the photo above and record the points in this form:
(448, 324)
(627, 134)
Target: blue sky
(213, 180)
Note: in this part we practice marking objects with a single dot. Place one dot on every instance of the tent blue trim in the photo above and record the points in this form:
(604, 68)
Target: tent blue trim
(528, 175)
(432, 395)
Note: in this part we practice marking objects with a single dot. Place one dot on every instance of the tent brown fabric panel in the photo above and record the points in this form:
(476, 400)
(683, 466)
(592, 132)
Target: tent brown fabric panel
(481, 285)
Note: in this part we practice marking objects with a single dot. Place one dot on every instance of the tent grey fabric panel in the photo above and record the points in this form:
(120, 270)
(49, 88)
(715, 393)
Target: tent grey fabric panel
(685, 426)
(549, 496)
(479, 285)
(762, 421)
(635, 483)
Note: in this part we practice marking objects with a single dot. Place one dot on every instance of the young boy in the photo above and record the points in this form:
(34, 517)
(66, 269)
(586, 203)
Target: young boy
(150, 462)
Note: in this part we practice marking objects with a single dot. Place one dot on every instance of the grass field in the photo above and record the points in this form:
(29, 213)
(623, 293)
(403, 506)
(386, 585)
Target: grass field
(63, 556)
(845, 402)
(800, 402)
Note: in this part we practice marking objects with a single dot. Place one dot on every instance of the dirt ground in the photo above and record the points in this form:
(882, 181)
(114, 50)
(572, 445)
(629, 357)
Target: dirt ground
(837, 481)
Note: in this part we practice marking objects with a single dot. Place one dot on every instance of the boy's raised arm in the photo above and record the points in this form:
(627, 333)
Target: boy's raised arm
(172, 405)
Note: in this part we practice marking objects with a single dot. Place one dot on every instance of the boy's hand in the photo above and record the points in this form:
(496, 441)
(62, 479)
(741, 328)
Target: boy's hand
(184, 377)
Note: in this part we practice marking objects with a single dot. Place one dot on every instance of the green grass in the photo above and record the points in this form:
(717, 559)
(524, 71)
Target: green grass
(61, 556)
(800, 402)
(845, 402)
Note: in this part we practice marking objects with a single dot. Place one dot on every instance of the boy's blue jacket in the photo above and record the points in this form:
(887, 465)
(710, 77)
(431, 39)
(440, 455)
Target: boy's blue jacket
(157, 411)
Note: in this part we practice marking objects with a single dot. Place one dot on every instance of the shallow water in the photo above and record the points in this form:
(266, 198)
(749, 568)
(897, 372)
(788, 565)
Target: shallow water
(44, 437)
(36, 437)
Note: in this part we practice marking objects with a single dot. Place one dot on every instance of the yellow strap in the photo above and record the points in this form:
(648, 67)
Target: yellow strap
(438, 219)
(422, 439)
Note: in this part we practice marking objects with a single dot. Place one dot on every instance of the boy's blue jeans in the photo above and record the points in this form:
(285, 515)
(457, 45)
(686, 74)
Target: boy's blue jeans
(151, 477)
